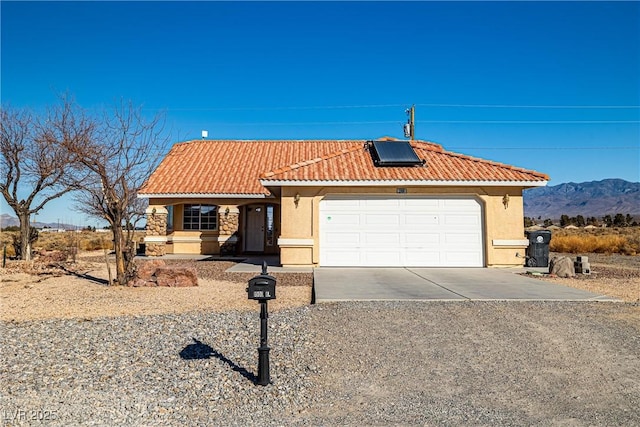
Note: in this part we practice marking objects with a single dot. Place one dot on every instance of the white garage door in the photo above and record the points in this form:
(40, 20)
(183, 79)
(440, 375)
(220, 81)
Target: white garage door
(401, 232)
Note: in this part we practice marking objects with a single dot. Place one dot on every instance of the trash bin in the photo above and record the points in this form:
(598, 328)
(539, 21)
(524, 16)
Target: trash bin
(538, 249)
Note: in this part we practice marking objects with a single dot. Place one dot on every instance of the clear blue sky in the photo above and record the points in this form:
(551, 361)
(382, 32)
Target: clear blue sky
(286, 70)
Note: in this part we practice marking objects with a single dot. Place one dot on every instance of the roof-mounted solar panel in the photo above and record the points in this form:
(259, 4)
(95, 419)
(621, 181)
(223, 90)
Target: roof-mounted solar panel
(393, 154)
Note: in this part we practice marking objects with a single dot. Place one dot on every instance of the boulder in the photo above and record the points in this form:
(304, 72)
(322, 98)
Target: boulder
(562, 267)
(176, 276)
(147, 269)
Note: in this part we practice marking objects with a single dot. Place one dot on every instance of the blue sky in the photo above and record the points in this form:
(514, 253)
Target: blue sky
(483, 76)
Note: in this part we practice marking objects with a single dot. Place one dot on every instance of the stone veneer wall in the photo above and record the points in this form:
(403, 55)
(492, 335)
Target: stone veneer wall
(156, 226)
(228, 223)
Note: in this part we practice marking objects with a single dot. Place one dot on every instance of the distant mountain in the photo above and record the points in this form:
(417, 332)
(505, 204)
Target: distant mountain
(7, 220)
(595, 198)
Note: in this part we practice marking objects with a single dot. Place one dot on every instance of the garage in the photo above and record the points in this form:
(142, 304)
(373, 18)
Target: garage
(400, 231)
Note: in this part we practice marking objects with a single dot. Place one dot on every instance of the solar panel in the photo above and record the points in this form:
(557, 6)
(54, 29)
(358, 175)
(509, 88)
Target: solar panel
(393, 153)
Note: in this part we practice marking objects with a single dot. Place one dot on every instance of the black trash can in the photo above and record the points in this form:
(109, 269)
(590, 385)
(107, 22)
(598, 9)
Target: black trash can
(538, 249)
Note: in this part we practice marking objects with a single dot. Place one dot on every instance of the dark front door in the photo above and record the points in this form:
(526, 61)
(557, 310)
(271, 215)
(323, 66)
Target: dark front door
(254, 236)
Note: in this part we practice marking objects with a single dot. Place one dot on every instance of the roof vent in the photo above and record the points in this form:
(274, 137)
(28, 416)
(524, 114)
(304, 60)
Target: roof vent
(393, 154)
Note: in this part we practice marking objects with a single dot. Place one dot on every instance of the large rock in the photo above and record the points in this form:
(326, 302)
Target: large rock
(176, 276)
(157, 273)
(562, 267)
(146, 270)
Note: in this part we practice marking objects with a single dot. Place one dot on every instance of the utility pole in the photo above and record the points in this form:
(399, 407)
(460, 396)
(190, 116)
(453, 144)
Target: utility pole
(410, 126)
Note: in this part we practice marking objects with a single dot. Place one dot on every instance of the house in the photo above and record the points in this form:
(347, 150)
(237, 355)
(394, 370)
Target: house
(338, 203)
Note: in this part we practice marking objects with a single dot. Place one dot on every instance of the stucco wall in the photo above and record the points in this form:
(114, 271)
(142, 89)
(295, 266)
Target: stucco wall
(503, 226)
(298, 225)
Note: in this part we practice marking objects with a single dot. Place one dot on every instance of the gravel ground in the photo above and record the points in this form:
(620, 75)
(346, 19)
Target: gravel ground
(216, 270)
(611, 274)
(410, 363)
(52, 291)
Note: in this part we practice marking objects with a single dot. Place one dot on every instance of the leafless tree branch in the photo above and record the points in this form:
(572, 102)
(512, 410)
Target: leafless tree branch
(34, 161)
(124, 151)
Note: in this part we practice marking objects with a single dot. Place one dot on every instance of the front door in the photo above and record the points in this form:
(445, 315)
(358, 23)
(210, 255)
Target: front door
(254, 236)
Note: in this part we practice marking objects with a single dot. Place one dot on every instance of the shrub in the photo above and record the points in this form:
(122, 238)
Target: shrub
(94, 243)
(11, 252)
(585, 243)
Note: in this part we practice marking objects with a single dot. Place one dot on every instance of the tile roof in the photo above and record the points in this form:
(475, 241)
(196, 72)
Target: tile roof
(236, 167)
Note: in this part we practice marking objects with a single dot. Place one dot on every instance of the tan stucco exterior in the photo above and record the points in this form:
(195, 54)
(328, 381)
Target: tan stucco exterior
(297, 224)
(503, 226)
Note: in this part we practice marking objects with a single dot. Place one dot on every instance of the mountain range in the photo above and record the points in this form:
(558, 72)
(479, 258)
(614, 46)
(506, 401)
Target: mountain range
(589, 199)
(7, 220)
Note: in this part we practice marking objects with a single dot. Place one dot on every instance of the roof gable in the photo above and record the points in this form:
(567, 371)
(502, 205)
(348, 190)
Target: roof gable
(230, 167)
(205, 167)
(355, 164)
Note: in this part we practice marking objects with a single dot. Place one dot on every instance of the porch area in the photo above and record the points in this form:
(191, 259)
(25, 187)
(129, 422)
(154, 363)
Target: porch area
(211, 228)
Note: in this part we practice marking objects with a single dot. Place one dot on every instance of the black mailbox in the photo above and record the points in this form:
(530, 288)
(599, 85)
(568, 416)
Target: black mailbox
(262, 287)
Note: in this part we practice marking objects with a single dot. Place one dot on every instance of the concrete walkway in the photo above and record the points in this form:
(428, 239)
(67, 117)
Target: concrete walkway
(379, 284)
(254, 265)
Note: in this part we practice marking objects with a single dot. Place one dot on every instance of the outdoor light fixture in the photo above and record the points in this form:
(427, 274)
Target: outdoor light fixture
(226, 211)
(153, 211)
(505, 201)
(296, 199)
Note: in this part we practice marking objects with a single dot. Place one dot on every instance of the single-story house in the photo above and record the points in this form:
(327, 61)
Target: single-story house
(338, 203)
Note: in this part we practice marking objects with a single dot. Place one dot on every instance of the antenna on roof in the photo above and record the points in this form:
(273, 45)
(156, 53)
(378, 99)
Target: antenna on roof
(410, 126)
(205, 134)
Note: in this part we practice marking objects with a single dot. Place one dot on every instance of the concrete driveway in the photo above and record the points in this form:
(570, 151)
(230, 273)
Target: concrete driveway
(379, 284)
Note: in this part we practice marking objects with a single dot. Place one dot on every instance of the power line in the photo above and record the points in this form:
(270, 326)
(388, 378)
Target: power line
(318, 107)
(532, 106)
(335, 107)
(307, 123)
(429, 121)
(532, 121)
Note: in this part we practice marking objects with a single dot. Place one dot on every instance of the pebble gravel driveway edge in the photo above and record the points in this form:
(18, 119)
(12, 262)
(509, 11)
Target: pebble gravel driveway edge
(374, 363)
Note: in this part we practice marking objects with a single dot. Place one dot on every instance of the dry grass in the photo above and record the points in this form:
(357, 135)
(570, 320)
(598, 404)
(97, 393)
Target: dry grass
(625, 241)
(50, 241)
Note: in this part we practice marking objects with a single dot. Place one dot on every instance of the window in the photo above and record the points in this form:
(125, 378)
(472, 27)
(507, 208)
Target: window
(170, 217)
(200, 217)
(270, 226)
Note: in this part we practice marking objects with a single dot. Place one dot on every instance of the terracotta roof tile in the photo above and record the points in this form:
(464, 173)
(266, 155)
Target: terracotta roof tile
(236, 167)
(355, 164)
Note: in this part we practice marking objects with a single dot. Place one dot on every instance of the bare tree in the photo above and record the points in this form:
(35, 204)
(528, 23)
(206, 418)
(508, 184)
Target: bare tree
(34, 166)
(123, 152)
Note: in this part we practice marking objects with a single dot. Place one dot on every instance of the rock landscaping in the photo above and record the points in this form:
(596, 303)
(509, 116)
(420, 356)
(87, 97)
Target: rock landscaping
(377, 363)
(76, 352)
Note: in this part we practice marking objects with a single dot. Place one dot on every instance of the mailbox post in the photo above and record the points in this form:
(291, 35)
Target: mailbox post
(263, 288)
